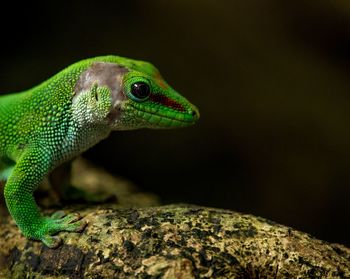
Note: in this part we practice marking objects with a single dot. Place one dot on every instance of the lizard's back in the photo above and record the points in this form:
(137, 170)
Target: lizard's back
(29, 117)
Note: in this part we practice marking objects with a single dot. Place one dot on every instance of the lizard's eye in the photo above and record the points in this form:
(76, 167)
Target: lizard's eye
(140, 91)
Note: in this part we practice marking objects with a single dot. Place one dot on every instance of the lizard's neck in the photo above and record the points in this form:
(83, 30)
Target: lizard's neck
(84, 131)
(79, 139)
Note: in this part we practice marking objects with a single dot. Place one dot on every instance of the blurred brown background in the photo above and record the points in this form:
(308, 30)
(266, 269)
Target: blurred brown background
(271, 79)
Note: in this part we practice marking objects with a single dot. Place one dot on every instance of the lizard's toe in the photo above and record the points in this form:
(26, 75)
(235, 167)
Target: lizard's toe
(58, 214)
(51, 241)
(78, 226)
(70, 218)
(71, 223)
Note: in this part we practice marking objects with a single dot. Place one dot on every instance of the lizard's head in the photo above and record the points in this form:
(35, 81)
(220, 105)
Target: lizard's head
(152, 102)
(140, 97)
(148, 101)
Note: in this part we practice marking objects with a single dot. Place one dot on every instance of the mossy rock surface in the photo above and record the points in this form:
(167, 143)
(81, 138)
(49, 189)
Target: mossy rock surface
(175, 241)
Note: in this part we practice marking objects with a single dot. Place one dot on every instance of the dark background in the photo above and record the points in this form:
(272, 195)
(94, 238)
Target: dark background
(271, 79)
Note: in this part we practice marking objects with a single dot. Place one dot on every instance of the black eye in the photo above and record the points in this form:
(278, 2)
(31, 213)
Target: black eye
(140, 91)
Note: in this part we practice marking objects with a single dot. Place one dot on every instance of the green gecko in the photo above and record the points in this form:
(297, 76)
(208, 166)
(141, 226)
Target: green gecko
(47, 125)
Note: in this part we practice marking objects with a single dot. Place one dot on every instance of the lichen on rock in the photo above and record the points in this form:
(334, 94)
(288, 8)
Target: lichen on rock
(175, 241)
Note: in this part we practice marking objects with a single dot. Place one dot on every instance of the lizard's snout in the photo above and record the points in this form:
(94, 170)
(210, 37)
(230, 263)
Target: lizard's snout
(195, 113)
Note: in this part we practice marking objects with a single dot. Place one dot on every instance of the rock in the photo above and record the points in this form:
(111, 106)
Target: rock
(174, 241)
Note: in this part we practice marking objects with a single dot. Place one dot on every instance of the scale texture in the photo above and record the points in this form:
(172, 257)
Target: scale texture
(57, 120)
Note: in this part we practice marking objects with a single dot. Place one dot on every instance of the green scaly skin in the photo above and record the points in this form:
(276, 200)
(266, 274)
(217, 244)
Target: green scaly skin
(67, 114)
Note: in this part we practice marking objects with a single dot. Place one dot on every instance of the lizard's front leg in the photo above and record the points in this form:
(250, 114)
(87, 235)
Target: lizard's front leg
(29, 171)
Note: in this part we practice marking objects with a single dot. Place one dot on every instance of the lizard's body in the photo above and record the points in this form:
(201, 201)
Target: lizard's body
(67, 114)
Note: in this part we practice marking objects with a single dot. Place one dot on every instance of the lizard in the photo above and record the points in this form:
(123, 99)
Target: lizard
(55, 121)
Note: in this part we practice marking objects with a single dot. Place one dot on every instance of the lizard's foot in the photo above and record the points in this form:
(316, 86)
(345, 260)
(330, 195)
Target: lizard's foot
(58, 222)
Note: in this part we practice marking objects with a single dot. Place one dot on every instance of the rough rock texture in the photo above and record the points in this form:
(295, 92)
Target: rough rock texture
(133, 237)
(176, 241)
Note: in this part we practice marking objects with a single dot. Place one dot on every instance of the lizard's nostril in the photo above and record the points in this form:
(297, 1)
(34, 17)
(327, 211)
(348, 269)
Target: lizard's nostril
(195, 113)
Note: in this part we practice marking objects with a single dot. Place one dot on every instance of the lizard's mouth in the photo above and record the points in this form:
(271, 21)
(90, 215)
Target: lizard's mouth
(165, 117)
